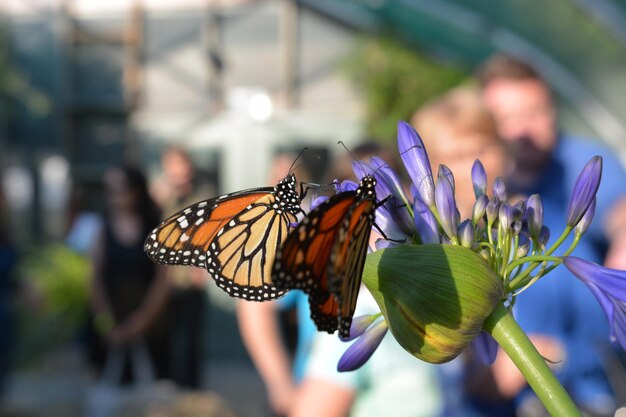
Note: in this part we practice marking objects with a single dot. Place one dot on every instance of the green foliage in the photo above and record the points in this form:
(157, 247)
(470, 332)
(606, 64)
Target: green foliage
(395, 81)
(55, 283)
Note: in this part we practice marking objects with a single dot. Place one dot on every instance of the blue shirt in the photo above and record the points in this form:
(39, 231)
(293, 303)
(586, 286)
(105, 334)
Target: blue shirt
(306, 329)
(559, 305)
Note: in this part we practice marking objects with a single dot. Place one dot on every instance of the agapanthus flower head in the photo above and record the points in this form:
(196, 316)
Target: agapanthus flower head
(585, 222)
(534, 215)
(585, 190)
(486, 348)
(479, 179)
(359, 325)
(416, 161)
(466, 233)
(505, 216)
(499, 189)
(446, 172)
(609, 287)
(438, 278)
(362, 349)
(446, 206)
(425, 223)
(480, 206)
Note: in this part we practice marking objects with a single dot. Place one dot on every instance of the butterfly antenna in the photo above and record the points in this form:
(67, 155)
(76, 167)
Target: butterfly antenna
(399, 155)
(291, 168)
(354, 158)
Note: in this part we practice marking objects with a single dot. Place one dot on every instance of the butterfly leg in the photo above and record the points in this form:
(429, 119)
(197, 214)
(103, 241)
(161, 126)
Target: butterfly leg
(387, 237)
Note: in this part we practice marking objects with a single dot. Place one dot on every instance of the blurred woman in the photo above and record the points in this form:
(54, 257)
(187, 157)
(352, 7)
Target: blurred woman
(129, 293)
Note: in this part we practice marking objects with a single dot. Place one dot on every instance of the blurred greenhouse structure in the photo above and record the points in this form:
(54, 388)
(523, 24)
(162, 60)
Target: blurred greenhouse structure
(90, 83)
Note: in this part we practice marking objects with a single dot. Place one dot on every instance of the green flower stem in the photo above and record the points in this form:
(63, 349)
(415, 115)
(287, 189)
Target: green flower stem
(505, 330)
(519, 281)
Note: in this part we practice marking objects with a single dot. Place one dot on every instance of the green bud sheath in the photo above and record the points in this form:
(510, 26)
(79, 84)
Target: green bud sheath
(435, 298)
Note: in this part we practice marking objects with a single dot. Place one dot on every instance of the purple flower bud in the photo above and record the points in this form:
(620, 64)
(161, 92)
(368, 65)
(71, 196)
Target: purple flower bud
(609, 288)
(388, 183)
(466, 234)
(523, 246)
(584, 223)
(381, 244)
(359, 326)
(446, 206)
(585, 190)
(479, 208)
(492, 210)
(505, 216)
(544, 236)
(534, 215)
(446, 172)
(499, 189)
(516, 227)
(362, 349)
(425, 223)
(416, 161)
(486, 347)
(519, 209)
(479, 179)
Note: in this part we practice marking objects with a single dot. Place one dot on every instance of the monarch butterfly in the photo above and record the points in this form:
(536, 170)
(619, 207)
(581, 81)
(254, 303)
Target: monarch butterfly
(325, 254)
(234, 236)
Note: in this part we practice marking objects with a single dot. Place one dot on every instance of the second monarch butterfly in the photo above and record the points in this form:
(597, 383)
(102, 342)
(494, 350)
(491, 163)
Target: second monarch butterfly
(234, 236)
(325, 254)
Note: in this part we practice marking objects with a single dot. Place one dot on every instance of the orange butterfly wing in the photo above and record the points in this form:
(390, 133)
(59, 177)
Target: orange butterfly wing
(324, 256)
(235, 237)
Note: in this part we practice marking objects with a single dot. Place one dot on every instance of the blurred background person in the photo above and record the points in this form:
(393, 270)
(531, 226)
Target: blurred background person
(265, 336)
(129, 293)
(457, 129)
(559, 312)
(178, 187)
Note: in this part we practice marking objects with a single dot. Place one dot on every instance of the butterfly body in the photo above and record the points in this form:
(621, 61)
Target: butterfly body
(234, 237)
(324, 256)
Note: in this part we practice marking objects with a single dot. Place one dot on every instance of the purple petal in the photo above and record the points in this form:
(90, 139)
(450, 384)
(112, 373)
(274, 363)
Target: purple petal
(610, 281)
(585, 190)
(499, 189)
(446, 172)
(615, 312)
(505, 216)
(381, 244)
(480, 206)
(534, 215)
(425, 223)
(492, 210)
(318, 200)
(360, 351)
(416, 162)
(446, 206)
(486, 347)
(345, 185)
(479, 179)
(544, 236)
(466, 234)
(359, 326)
(584, 223)
(387, 223)
(388, 183)
(523, 246)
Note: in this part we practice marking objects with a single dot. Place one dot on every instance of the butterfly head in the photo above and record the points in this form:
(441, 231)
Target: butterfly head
(287, 197)
(367, 187)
